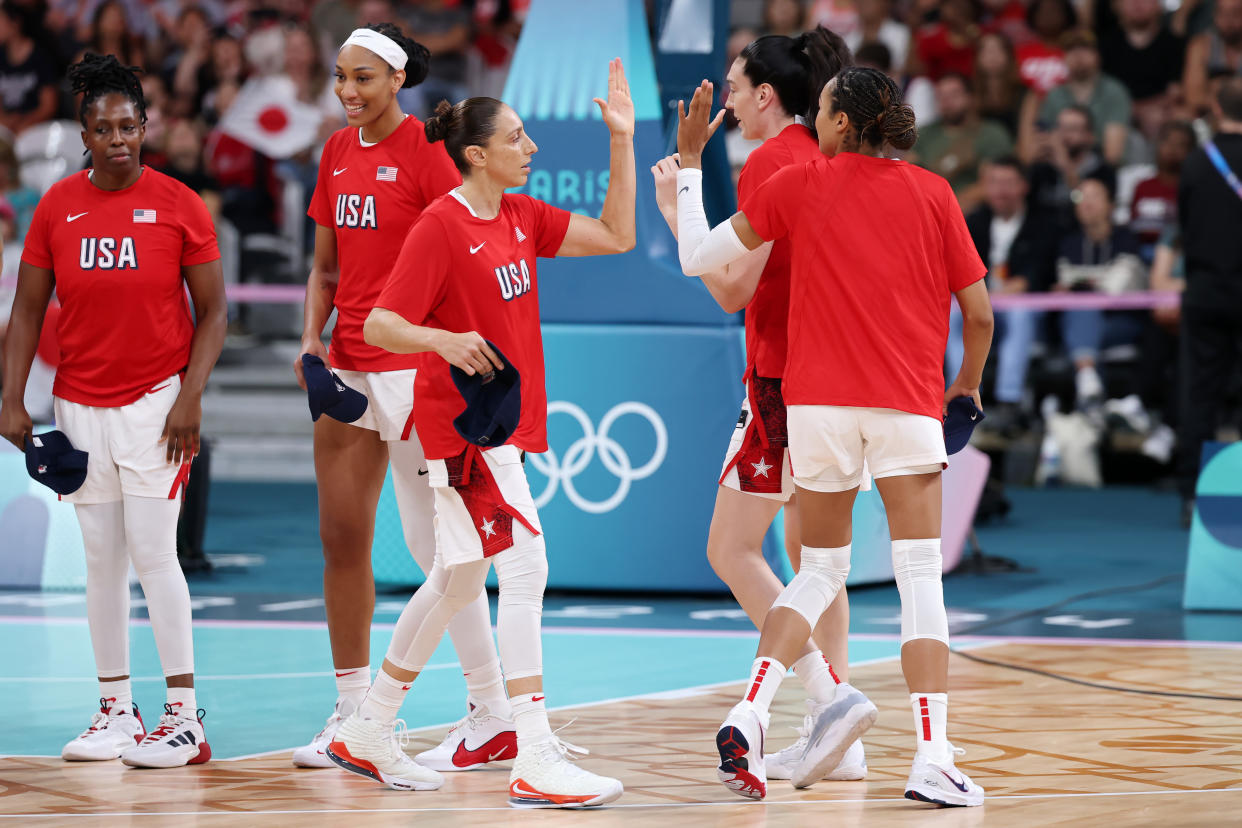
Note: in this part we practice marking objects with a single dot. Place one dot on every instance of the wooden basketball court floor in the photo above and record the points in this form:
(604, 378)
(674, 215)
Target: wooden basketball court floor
(1049, 752)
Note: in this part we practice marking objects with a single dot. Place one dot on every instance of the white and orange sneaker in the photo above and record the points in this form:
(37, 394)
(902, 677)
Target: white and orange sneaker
(544, 777)
(315, 754)
(178, 741)
(941, 783)
(373, 749)
(108, 736)
(481, 737)
(740, 743)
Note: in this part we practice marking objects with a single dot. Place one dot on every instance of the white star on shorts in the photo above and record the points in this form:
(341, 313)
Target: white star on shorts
(761, 468)
(487, 528)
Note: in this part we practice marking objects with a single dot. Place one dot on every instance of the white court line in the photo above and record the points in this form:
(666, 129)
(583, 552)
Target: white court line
(238, 677)
(614, 807)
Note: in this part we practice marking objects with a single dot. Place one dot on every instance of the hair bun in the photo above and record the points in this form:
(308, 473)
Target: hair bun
(897, 125)
(437, 126)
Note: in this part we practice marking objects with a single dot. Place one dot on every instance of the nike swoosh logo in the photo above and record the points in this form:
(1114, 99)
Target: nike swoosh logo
(338, 172)
(346, 673)
(421, 472)
(683, 190)
(161, 388)
(500, 746)
(75, 218)
(974, 417)
(956, 784)
(477, 249)
(537, 698)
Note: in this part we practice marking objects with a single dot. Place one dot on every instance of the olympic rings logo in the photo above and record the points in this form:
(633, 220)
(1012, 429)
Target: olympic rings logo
(562, 471)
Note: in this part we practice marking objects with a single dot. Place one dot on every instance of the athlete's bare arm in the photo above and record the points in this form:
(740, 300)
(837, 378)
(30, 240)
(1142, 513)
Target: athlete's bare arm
(320, 294)
(34, 291)
(977, 337)
(613, 231)
(206, 284)
(392, 332)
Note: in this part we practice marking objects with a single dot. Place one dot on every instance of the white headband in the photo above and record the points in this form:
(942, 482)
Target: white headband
(382, 45)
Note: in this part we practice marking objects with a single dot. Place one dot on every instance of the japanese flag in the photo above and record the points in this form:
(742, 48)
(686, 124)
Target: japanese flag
(266, 116)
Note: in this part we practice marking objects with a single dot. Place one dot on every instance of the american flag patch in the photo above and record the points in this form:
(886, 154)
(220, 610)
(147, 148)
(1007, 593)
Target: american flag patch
(144, 217)
(385, 173)
(517, 231)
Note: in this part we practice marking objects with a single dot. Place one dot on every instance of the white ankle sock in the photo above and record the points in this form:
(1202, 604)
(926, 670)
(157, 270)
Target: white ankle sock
(931, 717)
(817, 676)
(352, 684)
(182, 701)
(384, 698)
(118, 696)
(530, 718)
(766, 675)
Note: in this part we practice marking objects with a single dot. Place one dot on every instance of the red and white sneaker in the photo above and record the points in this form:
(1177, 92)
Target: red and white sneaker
(178, 741)
(544, 777)
(109, 734)
(373, 749)
(740, 743)
(480, 738)
(315, 755)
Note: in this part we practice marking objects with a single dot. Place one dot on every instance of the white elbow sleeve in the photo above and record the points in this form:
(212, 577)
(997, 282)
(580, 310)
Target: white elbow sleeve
(701, 251)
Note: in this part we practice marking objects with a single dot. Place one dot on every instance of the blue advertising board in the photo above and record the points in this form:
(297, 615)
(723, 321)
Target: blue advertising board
(1213, 573)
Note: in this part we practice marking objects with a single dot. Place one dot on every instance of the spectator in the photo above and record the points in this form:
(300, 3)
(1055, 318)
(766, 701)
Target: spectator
(920, 94)
(998, 87)
(226, 72)
(1085, 85)
(18, 198)
(444, 28)
(1041, 62)
(1154, 208)
(334, 20)
(111, 34)
(841, 16)
(498, 25)
(1210, 215)
(1065, 155)
(1144, 54)
(185, 69)
(782, 17)
(876, 24)
(1019, 245)
(184, 152)
(960, 141)
(947, 46)
(1216, 52)
(27, 74)
(1102, 256)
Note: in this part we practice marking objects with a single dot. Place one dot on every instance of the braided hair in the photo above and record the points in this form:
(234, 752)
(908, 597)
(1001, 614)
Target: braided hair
(875, 108)
(98, 75)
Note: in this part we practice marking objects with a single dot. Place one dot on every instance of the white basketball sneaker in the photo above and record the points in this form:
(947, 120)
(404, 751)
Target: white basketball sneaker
(476, 740)
(315, 755)
(740, 744)
(373, 749)
(835, 726)
(178, 741)
(108, 735)
(544, 777)
(941, 783)
(780, 765)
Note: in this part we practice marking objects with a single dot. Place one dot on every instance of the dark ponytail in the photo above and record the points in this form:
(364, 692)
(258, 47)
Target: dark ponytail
(469, 123)
(874, 105)
(797, 67)
(418, 58)
(97, 75)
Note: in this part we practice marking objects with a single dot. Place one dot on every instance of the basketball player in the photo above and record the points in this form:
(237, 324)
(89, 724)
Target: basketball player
(774, 81)
(465, 287)
(376, 176)
(120, 243)
(878, 247)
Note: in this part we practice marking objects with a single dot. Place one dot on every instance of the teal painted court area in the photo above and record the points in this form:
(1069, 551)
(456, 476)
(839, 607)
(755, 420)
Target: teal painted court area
(264, 687)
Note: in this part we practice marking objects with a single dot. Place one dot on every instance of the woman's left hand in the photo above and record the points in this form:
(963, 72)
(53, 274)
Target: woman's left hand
(181, 429)
(618, 110)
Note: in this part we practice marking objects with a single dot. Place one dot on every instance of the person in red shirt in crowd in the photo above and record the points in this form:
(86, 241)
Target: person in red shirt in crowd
(463, 292)
(774, 81)
(879, 247)
(1041, 62)
(376, 176)
(947, 46)
(120, 243)
(1154, 208)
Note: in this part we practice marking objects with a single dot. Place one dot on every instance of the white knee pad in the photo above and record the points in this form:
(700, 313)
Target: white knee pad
(819, 579)
(522, 573)
(916, 567)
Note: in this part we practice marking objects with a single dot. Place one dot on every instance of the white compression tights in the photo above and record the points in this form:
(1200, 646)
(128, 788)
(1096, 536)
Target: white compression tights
(471, 628)
(142, 530)
(522, 572)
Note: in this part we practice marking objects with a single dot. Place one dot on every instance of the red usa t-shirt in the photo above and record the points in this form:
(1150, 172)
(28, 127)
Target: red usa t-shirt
(767, 314)
(1041, 67)
(370, 195)
(878, 247)
(460, 273)
(117, 256)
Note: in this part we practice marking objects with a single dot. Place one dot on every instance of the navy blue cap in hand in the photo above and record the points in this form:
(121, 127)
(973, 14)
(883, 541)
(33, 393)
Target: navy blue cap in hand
(53, 461)
(493, 403)
(959, 423)
(328, 395)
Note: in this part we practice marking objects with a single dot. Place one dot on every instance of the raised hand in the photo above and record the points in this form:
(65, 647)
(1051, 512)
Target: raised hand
(665, 175)
(696, 127)
(618, 110)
